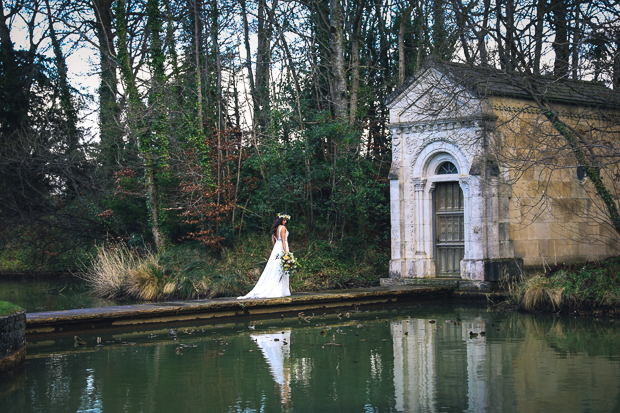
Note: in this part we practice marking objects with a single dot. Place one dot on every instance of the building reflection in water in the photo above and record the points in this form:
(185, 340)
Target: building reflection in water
(434, 362)
(276, 350)
(531, 365)
(414, 365)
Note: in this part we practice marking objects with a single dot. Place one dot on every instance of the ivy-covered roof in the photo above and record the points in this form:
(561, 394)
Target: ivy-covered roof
(488, 82)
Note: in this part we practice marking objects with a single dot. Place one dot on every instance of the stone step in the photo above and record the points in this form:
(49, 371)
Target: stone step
(458, 284)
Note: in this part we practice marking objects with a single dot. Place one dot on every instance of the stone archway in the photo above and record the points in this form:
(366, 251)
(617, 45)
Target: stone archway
(440, 218)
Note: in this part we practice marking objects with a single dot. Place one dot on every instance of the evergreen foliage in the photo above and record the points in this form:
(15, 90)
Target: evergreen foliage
(213, 116)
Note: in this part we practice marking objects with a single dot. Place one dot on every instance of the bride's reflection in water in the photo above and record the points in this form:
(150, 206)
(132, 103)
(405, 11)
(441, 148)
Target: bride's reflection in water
(276, 350)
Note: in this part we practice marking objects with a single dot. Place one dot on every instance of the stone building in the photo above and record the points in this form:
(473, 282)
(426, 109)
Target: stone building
(481, 184)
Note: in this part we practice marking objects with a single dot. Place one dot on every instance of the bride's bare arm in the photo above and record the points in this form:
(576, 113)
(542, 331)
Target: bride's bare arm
(282, 231)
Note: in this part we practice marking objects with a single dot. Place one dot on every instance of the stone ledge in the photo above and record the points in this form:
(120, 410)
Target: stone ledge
(131, 316)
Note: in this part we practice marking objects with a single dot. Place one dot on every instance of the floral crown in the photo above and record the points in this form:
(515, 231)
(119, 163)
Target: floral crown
(284, 216)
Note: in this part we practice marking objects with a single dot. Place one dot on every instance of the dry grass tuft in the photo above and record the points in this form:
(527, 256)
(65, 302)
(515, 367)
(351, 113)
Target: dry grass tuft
(170, 287)
(147, 279)
(556, 297)
(534, 298)
(538, 293)
(108, 274)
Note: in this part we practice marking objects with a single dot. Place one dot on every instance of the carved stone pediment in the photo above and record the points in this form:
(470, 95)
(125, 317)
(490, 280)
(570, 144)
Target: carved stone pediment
(433, 96)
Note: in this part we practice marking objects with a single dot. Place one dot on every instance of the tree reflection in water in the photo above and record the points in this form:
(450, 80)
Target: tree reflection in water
(431, 358)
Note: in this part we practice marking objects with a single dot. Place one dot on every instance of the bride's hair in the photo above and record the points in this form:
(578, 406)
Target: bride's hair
(274, 227)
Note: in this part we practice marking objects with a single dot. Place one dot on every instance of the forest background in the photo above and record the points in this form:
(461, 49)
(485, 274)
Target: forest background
(214, 116)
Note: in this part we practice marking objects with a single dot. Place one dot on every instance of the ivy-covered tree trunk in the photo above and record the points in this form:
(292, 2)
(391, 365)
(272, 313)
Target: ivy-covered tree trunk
(155, 143)
(152, 139)
(589, 165)
(110, 136)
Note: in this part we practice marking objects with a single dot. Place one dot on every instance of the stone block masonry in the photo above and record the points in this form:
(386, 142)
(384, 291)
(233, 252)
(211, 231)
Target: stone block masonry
(12, 341)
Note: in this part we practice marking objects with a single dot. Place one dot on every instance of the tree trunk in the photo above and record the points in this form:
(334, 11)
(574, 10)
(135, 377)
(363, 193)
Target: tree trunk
(406, 15)
(153, 204)
(136, 120)
(440, 35)
(541, 6)
(499, 37)
(5, 34)
(218, 63)
(289, 59)
(156, 151)
(355, 60)
(616, 63)
(576, 43)
(422, 20)
(248, 58)
(560, 42)
(482, 34)
(110, 136)
(591, 168)
(510, 31)
(263, 66)
(197, 41)
(339, 86)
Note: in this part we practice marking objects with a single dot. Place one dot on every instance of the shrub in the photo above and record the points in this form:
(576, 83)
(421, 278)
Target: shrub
(570, 287)
(191, 271)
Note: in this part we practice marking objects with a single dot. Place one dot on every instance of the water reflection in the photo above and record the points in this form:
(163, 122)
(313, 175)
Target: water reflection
(276, 350)
(414, 365)
(522, 364)
(50, 294)
(394, 360)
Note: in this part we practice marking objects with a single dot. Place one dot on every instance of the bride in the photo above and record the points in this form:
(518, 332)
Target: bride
(274, 281)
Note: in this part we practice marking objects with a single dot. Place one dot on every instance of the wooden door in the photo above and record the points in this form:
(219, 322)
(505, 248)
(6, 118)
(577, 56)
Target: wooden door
(449, 229)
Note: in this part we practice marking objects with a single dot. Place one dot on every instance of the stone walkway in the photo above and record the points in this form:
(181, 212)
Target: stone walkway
(132, 316)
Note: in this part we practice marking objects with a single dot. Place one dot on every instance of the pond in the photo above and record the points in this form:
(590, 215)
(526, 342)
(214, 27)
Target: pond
(36, 294)
(424, 358)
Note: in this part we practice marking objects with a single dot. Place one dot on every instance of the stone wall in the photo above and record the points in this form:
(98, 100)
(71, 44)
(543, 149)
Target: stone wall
(525, 199)
(555, 216)
(12, 341)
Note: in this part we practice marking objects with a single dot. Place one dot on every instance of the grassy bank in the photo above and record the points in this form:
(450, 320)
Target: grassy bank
(583, 288)
(190, 271)
(7, 308)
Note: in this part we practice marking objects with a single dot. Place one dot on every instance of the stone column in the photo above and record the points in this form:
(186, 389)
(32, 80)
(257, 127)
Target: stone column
(396, 204)
(418, 185)
(407, 235)
(472, 266)
(464, 184)
(395, 220)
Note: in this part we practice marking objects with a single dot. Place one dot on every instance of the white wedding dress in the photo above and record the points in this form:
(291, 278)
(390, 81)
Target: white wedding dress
(274, 281)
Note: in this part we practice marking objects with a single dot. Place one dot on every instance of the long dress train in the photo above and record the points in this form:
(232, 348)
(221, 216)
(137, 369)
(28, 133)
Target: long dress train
(274, 281)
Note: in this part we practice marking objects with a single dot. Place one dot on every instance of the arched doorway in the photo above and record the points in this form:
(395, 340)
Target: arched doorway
(449, 225)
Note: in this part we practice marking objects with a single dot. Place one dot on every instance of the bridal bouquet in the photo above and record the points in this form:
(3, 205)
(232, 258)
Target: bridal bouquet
(289, 263)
